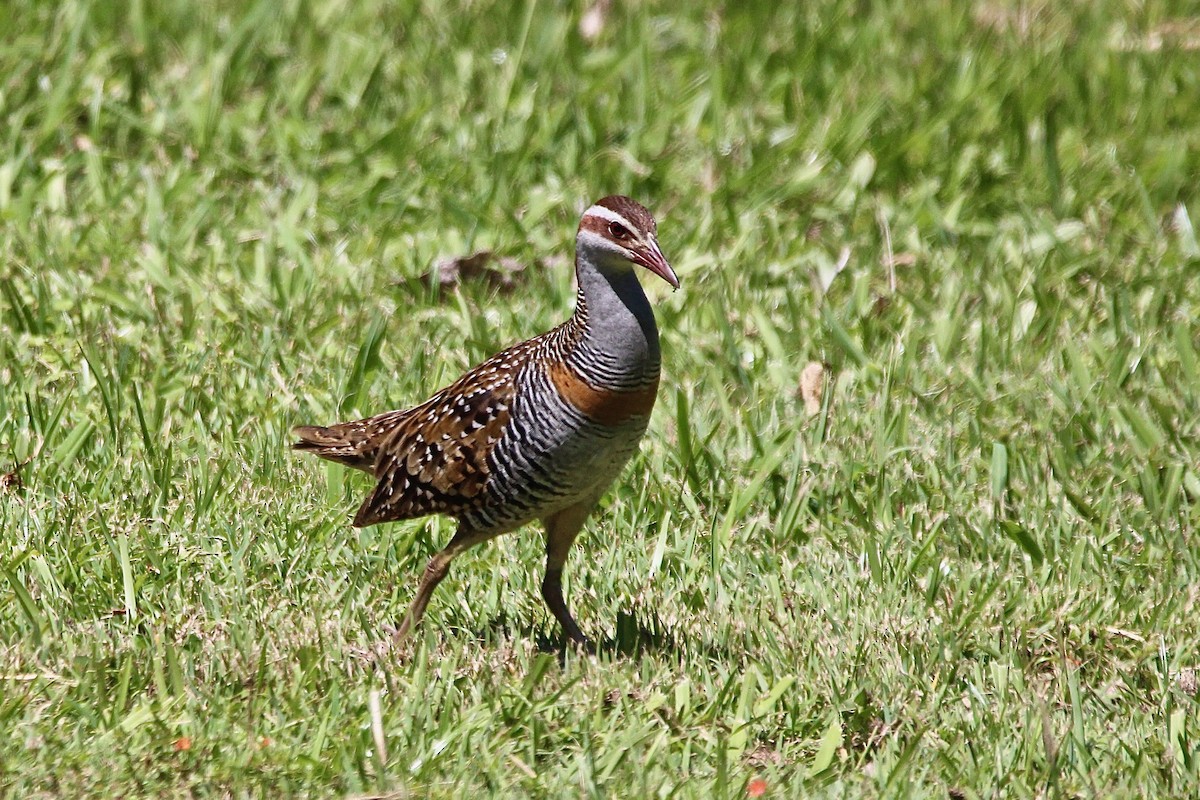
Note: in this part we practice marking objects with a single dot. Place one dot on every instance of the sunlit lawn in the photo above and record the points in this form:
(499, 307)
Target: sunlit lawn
(970, 570)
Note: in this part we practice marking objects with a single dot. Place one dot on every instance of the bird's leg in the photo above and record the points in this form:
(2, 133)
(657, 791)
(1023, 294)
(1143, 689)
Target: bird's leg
(561, 530)
(435, 570)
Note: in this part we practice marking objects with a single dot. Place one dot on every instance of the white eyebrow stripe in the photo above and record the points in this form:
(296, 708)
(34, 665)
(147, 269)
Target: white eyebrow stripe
(611, 216)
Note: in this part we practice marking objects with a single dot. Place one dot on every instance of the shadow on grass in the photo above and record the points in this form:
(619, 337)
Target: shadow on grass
(635, 635)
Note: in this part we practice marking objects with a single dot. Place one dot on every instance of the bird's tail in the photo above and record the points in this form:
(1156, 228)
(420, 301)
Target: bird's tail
(354, 444)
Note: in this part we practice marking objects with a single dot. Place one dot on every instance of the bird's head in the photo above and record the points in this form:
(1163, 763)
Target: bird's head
(616, 232)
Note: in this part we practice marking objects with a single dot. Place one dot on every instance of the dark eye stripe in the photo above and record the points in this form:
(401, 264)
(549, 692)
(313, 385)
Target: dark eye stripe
(618, 230)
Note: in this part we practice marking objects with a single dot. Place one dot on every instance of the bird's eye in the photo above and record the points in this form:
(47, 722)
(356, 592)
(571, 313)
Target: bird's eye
(618, 231)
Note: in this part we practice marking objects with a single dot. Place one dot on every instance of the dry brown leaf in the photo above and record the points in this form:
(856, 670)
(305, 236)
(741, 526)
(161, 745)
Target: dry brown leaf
(591, 24)
(812, 385)
(1187, 681)
(500, 273)
(12, 480)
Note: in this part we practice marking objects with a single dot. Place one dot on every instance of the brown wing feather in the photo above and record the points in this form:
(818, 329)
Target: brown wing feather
(435, 461)
(355, 444)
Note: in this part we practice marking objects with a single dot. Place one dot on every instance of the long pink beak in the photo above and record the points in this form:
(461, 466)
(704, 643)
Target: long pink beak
(656, 262)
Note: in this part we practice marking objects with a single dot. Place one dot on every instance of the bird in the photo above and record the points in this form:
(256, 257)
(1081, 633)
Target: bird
(538, 431)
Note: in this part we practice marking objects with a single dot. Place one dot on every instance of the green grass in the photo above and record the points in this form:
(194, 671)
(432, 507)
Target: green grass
(974, 572)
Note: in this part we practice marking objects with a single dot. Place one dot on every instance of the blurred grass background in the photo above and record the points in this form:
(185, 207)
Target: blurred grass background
(972, 573)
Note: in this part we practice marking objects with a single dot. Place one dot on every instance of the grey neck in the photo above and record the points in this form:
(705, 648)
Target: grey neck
(619, 341)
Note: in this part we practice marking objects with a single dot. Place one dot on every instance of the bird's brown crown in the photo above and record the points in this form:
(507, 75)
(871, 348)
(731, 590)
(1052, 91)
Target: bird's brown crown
(630, 210)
